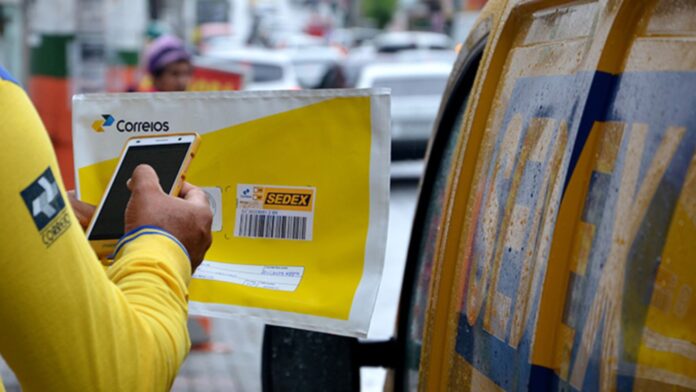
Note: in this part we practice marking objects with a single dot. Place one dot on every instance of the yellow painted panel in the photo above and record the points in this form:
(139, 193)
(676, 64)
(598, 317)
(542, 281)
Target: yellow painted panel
(466, 378)
(669, 335)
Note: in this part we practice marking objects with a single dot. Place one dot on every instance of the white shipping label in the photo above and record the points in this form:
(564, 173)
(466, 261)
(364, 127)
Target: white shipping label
(279, 278)
(275, 212)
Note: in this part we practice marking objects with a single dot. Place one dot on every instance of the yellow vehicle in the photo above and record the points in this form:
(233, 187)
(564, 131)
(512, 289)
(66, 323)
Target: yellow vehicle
(554, 243)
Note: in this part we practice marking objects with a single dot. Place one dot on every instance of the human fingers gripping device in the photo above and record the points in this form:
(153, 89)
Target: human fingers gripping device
(169, 155)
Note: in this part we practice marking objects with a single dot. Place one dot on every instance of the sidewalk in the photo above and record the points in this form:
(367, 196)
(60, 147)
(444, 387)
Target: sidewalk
(232, 363)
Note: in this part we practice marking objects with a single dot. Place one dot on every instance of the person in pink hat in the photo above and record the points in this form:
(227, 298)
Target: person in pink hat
(169, 64)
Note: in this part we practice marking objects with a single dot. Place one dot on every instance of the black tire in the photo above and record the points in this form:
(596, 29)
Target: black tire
(299, 360)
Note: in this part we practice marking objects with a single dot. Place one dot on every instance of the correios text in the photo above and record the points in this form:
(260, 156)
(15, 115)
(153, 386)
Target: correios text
(142, 126)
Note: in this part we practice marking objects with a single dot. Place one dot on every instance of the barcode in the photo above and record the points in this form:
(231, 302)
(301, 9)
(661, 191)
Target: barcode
(273, 226)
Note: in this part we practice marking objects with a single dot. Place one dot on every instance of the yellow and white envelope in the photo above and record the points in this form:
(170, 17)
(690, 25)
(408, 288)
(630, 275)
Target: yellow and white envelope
(298, 182)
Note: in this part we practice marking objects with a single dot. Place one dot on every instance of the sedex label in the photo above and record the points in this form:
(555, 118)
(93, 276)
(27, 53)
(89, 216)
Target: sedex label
(275, 212)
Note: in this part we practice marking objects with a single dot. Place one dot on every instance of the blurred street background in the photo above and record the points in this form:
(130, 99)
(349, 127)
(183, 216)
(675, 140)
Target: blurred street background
(58, 48)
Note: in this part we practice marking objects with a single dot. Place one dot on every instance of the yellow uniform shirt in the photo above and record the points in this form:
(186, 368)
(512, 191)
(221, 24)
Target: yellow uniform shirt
(65, 323)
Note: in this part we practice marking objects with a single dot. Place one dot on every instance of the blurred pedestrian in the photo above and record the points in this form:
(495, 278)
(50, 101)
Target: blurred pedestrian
(168, 65)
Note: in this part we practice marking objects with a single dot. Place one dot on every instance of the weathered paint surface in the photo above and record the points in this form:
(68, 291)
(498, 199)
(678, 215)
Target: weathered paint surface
(622, 296)
(570, 223)
(639, 174)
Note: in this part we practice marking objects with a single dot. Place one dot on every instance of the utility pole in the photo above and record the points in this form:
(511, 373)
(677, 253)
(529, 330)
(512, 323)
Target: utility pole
(154, 9)
(88, 54)
(354, 12)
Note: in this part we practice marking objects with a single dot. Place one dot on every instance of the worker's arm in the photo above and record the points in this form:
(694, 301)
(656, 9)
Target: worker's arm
(64, 324)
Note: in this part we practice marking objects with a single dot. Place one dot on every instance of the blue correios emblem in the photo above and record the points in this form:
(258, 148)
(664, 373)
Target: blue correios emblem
(43, 199)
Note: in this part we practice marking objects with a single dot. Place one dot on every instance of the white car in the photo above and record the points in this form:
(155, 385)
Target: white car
(266, 69)
(416, 91)
(293, 40)
(396, 41)
(312, 63)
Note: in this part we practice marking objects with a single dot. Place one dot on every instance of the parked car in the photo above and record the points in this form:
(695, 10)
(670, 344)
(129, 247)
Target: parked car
(312, 63)
(424, 55)
(554, 240)
(396, 41)
(294, 40)
(356, 59)
(416, 91)
(212, 35)
(266, 69)
(353, 36)
(219, 43)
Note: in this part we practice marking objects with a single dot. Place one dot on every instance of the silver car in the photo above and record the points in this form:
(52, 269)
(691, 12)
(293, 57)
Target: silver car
(416, 91)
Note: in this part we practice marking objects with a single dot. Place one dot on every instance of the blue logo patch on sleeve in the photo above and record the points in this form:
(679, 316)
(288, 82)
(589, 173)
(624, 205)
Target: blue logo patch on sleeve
(4, 75)
(46, 207)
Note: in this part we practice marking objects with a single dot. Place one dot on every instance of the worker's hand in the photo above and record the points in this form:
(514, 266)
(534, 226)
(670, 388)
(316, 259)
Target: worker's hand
(82, 210)
(187, 217)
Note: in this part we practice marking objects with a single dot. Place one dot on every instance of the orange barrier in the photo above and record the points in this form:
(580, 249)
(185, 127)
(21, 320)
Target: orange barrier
(51, 97)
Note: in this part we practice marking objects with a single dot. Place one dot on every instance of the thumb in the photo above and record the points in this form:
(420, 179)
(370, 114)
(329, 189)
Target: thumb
(144, 179)
(194, 195)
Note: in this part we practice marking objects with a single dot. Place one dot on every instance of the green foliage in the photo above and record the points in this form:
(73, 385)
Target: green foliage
(381, 11)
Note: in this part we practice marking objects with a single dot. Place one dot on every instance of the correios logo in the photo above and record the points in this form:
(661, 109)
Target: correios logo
(99, 125)
(129, 126)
